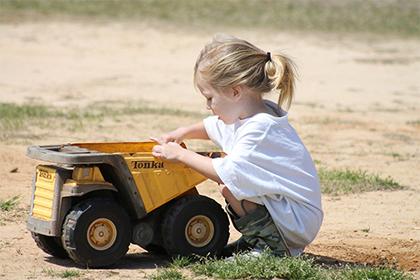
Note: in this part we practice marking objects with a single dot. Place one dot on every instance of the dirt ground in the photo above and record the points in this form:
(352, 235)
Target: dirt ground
(357, 106)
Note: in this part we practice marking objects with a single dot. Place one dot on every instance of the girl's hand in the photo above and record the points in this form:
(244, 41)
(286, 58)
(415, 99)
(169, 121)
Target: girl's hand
(169, 151)
(173, 136)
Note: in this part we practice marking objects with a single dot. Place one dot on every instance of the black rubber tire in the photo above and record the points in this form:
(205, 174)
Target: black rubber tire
(51, 245)
(176, 221)
(155, 249)
(75, 232)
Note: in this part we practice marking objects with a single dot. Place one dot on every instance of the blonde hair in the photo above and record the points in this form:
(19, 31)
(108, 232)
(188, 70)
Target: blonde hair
(228, 61)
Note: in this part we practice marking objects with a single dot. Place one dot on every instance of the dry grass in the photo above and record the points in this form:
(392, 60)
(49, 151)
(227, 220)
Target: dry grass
(398, 18)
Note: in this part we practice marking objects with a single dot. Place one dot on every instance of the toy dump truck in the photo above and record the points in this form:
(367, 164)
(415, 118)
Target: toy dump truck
(94, 199)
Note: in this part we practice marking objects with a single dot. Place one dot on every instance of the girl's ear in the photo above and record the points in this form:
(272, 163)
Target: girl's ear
(237, 92)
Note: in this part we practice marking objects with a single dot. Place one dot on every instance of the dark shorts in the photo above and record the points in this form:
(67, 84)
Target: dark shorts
(259, 231)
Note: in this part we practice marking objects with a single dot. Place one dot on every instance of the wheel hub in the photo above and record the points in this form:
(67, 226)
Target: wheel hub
(101, 234)
(199, 231)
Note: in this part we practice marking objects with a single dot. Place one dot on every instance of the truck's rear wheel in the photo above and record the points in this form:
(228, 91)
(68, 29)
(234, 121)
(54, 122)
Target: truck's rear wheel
(195, 225)
(50, 245)
(96, 232)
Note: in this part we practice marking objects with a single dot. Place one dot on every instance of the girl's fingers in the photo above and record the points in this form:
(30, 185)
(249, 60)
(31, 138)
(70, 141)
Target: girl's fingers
(157, 140)
(162, 140)
(156, 154)
(157, 150)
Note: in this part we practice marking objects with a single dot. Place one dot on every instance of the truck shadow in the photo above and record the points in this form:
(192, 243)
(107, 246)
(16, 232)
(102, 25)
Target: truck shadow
(142, 260)
(145, 260)
(149, 260)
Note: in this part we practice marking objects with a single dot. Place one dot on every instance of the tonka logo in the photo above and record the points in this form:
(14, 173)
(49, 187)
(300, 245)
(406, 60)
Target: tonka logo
(147, 164)
(45, 175)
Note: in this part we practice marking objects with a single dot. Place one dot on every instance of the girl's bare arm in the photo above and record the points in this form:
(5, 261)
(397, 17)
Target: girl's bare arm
(195, 131)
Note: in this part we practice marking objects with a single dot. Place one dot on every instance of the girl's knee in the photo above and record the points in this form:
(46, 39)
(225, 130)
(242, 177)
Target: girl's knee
(226, 193)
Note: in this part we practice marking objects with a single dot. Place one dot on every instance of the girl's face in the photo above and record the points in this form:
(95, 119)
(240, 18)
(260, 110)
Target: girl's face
(222, 104)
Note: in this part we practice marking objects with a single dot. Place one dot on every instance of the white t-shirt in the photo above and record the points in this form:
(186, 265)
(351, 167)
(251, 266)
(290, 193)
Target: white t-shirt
(268, 164)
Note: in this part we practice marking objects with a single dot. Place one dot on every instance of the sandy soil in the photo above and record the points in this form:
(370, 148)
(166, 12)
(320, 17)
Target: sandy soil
(357, 107)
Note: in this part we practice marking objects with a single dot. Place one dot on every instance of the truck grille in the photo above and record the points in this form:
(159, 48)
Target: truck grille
(43, 198)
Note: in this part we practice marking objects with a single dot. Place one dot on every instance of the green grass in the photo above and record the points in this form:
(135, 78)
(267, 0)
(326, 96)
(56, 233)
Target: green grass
(9, 204)
(414, 123)
(11, 112)
(337, 182)
(68, 273)
(180, 262)
(168, 274)
(18, 117)
(373, 274)
(173, 270)
(148, 110)
(14, 116)
(401, 18)
(366, 230)
(268, 267)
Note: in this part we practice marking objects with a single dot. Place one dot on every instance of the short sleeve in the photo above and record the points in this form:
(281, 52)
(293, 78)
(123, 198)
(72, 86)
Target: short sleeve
(214, 129)
(237, 170)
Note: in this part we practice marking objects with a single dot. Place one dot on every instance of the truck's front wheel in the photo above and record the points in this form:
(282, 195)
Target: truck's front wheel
(96, 232)
(50, 245)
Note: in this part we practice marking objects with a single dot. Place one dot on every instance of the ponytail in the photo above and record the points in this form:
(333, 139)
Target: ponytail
(228, 61)
(281, 72)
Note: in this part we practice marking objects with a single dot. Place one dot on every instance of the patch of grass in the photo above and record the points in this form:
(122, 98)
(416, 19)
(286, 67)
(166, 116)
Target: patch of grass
(264, 267)
(396, 155)
(394, 17)
(9, 204)
(15, 118)
(173, 271)
(267, 266)
(414, 123)
(387, 61)
(366, 230)
(336, 182)
(168, 274)
(398, 137)
(68, 273)
(373, 273)
(12, 116)
(181, 262)
(399, 157)
(148, 110)
(13, 111)
(16, 114)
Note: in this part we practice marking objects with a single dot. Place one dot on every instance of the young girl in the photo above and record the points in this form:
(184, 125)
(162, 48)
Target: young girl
(267, 177)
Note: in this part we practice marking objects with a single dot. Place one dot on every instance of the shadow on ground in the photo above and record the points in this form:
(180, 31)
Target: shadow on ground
(328, 262)
(130, 261)
(147, 260)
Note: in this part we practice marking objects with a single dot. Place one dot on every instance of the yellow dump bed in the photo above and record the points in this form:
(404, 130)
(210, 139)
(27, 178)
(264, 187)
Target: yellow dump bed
(130, 167)
(157, 181)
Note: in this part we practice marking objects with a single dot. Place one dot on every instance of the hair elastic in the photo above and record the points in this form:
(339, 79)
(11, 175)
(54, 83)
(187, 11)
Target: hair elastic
(268, 56)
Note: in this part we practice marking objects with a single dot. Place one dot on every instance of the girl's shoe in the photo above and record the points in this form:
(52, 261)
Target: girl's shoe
(236, 247)
(246, 255)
